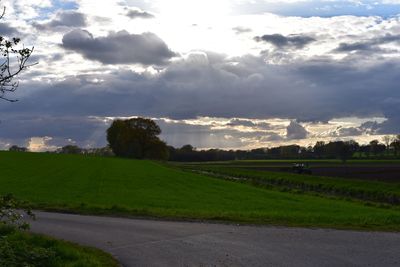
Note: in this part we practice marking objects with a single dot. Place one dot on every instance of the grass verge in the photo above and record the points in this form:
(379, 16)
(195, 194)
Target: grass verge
(19, 248)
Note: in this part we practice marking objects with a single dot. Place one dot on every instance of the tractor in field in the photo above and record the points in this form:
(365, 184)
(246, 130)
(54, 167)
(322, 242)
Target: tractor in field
(301, 168)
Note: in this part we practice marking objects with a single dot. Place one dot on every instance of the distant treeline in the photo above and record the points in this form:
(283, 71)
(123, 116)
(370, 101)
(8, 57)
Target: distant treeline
(343, 150)
(72, 149)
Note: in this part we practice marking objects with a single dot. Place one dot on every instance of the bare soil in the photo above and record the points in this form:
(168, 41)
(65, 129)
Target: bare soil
(383, 173)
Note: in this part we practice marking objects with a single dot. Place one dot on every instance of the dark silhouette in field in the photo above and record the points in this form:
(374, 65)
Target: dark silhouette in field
(301, 168)
(136, 138)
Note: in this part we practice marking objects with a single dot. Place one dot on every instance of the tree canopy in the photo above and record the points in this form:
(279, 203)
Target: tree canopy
(136, 138)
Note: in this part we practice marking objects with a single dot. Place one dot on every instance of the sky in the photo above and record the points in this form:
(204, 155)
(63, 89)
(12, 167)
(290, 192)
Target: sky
(230, 74)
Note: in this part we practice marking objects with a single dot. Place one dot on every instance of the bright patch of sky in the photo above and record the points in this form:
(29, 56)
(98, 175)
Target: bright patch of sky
(302, 8)
(328, 8)
(55, 6)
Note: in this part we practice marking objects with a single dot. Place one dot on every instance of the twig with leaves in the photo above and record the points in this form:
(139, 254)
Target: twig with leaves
(14, 61)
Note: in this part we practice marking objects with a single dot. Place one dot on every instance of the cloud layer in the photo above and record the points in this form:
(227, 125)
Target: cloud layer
(263, 78)
(62, 20)
(291, 41)
(138, 14)
(119, 47)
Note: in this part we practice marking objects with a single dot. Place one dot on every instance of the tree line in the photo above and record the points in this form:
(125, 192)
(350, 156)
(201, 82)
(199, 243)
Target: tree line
(342, 150)
(138, 138)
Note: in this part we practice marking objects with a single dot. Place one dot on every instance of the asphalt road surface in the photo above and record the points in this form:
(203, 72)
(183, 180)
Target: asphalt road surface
(136, 242)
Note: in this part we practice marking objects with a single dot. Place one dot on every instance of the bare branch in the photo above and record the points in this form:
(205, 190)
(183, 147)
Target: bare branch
(3, 13)
(14, 62)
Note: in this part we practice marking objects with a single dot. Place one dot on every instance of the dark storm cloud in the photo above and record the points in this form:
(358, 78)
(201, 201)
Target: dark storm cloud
(214, 87)
(346, 47)
(64, 19)
(391, 109)
(371, 45)
(138, 14)
(291, 41)
(249, 123)
(241, 122)
(388, 38)
(352, 89)
(119, 47)
(369, 125)
(296, 131)
(7, 30)
(311, 91)
(391, 126)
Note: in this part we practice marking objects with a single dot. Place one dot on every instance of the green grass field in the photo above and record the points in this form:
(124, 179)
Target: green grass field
(145, 188)
(290, 161)
(363, 190)
(25, 249)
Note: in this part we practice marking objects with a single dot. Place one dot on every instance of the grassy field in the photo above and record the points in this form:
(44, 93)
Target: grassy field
(314, 161)
(367, 169)
(363, 190)
(24, 249)
(144, 188)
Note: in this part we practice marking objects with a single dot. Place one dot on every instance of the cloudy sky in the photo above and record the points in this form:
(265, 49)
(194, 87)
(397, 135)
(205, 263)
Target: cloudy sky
(226, 73)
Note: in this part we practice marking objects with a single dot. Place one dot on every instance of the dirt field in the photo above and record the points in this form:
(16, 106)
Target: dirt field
(381, 173)
(384, 173)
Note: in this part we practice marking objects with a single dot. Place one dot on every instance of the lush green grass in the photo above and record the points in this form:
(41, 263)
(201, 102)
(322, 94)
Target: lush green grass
(358, 189)
(117, 186)
(24, 249)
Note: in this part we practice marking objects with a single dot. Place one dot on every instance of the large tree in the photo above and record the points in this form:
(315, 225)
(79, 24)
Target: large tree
(396, 145)
(319, 148)
(387, 139)
(136, 138)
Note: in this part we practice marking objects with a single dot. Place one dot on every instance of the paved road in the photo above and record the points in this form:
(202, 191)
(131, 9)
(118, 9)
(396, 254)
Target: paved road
(163, 243)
